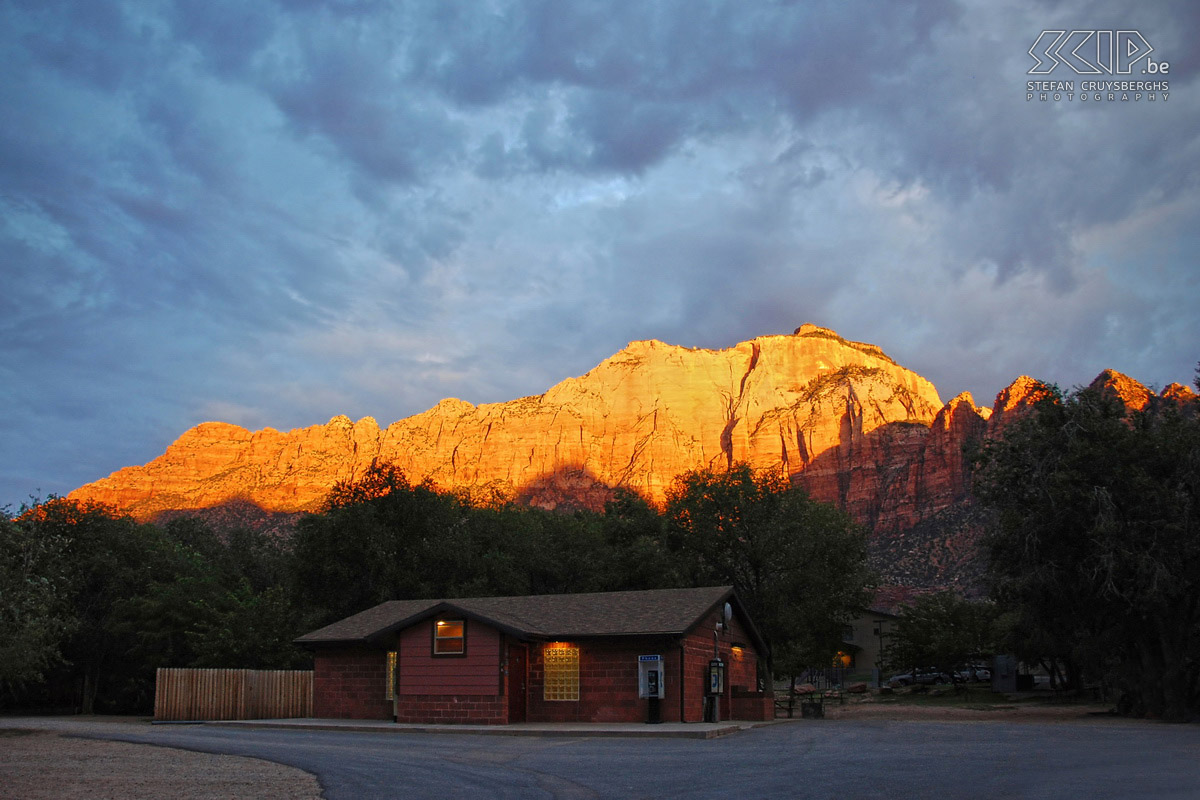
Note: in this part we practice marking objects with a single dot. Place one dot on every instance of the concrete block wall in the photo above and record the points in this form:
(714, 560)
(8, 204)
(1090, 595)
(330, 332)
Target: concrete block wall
(350, 684)
(741, 673)
(608, 677)
(453, 709)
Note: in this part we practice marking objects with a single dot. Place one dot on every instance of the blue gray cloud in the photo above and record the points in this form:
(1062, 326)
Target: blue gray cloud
(271, 213)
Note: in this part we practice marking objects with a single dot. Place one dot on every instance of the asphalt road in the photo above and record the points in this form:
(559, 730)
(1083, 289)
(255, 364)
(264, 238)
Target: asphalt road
(830, 759)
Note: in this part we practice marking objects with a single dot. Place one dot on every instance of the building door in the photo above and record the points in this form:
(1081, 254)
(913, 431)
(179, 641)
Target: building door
(517, 674)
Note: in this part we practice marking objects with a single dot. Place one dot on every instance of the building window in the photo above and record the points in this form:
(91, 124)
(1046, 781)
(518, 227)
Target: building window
(450, 637)
(561, 672)
(391, 675)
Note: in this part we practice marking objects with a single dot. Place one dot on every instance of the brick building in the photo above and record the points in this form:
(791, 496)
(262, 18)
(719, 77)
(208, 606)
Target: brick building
(543, 658)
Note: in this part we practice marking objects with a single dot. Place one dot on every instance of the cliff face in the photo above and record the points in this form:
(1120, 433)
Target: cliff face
(812, 405)
(838, 417)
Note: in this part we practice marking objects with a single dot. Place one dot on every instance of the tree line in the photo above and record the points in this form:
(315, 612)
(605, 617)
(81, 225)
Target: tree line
(1092, 549)
(94, 601)
(1094, 543)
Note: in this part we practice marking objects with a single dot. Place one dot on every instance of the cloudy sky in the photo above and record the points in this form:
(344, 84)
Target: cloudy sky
(271, 213)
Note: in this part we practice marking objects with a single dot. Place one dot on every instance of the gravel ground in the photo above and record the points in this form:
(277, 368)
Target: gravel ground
(40, 763)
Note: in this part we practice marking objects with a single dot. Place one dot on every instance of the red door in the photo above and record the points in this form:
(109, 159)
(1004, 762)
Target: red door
(516, 682)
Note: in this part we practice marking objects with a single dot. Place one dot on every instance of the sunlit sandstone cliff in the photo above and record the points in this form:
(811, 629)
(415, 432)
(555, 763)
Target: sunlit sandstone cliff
(834, 413)
(838, 417)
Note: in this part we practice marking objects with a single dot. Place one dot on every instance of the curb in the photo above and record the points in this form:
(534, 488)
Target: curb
(652, 732)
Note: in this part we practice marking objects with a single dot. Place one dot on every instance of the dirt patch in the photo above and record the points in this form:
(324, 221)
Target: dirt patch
(40, 764)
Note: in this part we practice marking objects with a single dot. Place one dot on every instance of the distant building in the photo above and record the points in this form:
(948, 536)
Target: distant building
(541, 658)
(867, 637)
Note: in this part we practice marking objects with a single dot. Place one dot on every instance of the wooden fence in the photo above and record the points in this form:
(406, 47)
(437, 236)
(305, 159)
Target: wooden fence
(209, 694)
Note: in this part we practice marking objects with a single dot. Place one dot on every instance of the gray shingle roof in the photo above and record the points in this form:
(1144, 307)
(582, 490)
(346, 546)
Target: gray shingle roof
(640, 613)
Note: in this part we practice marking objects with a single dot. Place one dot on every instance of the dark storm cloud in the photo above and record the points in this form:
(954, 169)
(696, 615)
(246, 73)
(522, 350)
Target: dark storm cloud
(274, 212)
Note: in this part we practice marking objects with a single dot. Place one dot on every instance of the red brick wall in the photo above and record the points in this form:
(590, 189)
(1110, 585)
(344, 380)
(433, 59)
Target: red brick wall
(350, 684)
(608, 674)
(741, 671)
(608, 683)
(458, 709)
(698, 650)
(752, 706)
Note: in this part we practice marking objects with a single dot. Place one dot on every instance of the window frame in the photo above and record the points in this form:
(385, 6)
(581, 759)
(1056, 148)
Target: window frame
(436, 638)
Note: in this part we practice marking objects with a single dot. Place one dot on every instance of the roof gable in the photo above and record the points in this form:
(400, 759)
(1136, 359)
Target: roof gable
(632, 613)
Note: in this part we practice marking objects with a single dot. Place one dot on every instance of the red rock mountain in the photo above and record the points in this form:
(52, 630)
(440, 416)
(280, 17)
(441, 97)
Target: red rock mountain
(811, 404)
(839, 417)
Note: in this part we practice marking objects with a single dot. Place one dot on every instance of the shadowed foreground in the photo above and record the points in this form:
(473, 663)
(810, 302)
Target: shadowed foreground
(849, 758)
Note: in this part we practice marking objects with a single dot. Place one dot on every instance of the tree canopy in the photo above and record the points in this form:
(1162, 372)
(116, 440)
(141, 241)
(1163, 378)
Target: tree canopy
(94, 601)
(34, 613)
(943, 631)
(799, 565)
(1095, 546)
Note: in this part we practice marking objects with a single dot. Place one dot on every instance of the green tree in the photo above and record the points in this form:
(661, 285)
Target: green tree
(248, 629)
(1095, 543)
(799, 565)
(943, 631)
(94, 602)
(635, 545)
(34, 609)
(374, 544)
(109, 560)
(380, 480)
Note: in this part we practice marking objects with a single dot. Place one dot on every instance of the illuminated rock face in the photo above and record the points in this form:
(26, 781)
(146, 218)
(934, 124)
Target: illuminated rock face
(838, 417)
(812, 405)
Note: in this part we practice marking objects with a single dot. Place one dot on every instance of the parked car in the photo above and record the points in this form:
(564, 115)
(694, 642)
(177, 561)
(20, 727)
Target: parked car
(974, 672)
(920, 676)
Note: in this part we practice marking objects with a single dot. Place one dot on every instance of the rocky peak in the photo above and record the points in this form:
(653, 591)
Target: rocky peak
(1132, 394)
(1016, 399)
(1177, 392)
(809, 401)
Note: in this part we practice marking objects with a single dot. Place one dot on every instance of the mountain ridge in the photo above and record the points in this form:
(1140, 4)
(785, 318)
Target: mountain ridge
(635, 420)
(840, 418)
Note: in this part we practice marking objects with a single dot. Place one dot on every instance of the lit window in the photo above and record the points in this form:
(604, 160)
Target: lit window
(449, 638)
(561, 673)
(391, 675)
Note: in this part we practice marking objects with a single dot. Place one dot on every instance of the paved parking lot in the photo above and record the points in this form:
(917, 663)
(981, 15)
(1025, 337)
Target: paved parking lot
(803, 759)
